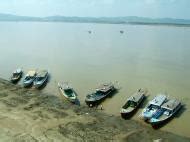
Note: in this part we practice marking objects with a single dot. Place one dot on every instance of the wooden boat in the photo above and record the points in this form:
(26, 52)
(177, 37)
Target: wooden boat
(41, 78)
(16, 75)
(68, 92)
(153, 106)
(101, 93)
(29, 78)
(133, 103)
(167, 111)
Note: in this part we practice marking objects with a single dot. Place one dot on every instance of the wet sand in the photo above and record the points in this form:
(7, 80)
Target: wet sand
(32, 115)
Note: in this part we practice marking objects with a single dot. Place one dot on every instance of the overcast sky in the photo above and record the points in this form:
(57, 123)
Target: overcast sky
(98, 8)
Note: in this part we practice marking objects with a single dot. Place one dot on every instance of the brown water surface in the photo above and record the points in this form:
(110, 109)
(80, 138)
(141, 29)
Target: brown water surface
(154, 57)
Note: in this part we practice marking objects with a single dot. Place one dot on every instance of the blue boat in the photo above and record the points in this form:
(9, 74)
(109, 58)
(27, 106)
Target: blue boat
(153, 107)
(41, 78)
(29, 78)
(167, 111)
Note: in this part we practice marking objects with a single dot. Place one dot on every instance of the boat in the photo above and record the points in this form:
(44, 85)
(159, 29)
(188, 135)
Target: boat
(16, 75)
(153, 106)
(100, 94)
(41, 78)
(68, 92)
(29, 78)
(133, 103)
(167, 111)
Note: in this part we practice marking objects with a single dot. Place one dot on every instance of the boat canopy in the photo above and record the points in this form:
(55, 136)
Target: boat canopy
(104, 87)
(158, 100)
(136, 97)
(42, 73)
(31, 73)
(17, 71)
(171, 104)
(65, 86)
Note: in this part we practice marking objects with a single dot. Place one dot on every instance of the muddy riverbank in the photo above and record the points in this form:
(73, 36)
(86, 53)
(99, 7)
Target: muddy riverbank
(31, 115)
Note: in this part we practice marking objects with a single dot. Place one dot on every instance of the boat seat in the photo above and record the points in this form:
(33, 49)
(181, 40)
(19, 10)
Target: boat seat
(158, 113)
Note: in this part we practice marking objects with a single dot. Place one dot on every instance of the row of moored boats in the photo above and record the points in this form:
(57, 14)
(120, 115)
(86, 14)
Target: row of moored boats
(92, 99)
(158, 110)
(36, 78)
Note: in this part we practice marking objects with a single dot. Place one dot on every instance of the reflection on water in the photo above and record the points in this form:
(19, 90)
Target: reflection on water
(154, 57)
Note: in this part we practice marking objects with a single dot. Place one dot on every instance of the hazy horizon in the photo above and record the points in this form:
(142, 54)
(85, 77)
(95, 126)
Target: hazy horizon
(95, 8)
(94, 16)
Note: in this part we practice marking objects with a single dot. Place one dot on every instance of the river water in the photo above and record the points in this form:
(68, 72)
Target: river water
(153, 57)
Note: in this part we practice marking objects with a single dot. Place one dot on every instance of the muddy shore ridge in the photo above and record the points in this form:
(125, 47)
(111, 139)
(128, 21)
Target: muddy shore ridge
(32, 115)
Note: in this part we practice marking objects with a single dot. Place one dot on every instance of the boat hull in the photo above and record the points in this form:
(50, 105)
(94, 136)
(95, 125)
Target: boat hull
(94, 103)
(160, 123)
(97, 101)
(28, 83)
(15, 80)
(39, 85)
(72, 100)
(130, 113)
(127, 115)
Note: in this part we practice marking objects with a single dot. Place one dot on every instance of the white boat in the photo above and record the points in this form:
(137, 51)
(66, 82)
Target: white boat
(133, 103)
(167, 110)
(41, 78)
(153, 106)
(29, 78)
(16, 75)
(68, 92)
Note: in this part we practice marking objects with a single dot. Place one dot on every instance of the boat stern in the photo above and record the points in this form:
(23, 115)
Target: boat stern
(145, 115)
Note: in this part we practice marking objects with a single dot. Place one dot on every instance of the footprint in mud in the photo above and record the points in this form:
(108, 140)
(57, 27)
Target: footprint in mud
(24, 138)
(14, 101)
(86, 132)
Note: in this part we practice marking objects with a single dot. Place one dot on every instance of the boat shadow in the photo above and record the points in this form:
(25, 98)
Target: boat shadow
(181, 111)
(113, 93)
(145, 102)
(77, 102)
(177, 115)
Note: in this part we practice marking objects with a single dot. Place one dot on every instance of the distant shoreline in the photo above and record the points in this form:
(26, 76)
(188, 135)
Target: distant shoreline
(129, 20)
(130, 23)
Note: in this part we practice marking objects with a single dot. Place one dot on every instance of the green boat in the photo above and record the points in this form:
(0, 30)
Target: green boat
(68, 92)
